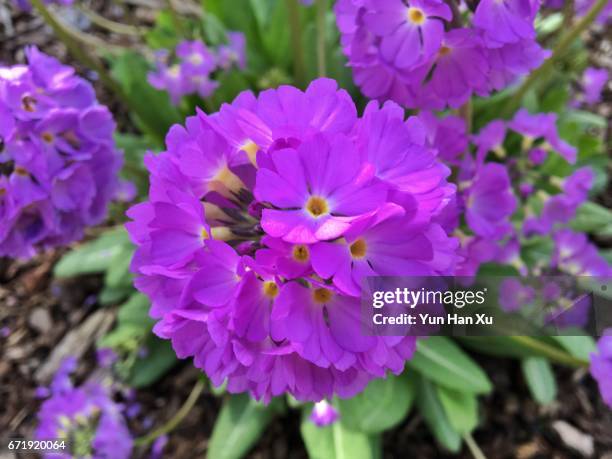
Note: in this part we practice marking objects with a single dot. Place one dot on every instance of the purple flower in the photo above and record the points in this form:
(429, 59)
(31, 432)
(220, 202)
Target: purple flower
(575, 255)
(26, 6)
(261, 222)
(593, 83)
(418, 55)
(601, 367)
(447, 135)
(86, 414)
(506, 21)
(542, 126)
(490, 138)
(106, 357)
(58, 162)
(234, 53)
(410, 32)
(489, 202)
(513, 295)
(323, 414)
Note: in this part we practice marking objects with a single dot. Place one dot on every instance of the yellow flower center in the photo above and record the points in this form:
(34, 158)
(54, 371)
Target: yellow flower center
(416, 15)
(317, 206)
(270, 289)
(322, 295)
(300, 253)
(204, 234)
(21, 171)
(47, 137)
(444, 51)
(251, 149)
(358, 248)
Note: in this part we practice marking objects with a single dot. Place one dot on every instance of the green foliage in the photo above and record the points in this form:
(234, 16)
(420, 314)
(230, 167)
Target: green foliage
(239, 425)
(158, 359)
(461, 409)
(133, 324)
(151, 109)
(441, 360)
(435, 416)
(97, 256)
(383, 404)
(540, 379)
(336, 441)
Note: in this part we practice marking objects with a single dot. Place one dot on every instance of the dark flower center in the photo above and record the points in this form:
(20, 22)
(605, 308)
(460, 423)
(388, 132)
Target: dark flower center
(270, 289)
(28, 103)
(358, 248)
(416, 15)
(317, 206)
(300, 253)
(322, 295)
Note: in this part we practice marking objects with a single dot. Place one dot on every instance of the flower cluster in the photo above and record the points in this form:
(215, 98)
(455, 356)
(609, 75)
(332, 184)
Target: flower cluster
(601, 367)
(85, 417)
(262, 222)
(58, 163)
(26, 6)
(581, 7)
(592, 84)
(190, 69)
(420, 54)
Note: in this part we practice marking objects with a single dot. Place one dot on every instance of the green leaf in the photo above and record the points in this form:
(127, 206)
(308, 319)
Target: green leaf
(586, 119)
(238, 426)
(461, 408)
(383, 404)
(500, 346)
(159, 359)
(540, 379)
(92, 257)
(335, 441)
(435, 416)
(579, 345)
(592, 217)
(153, 112)
(118, 273)
(133, 324)
(441, 360)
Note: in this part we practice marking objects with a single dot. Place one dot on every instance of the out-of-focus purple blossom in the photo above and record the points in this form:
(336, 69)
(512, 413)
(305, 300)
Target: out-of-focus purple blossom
(537, 155)
(323, 414)
(583, 6)
(601, 367)
(126, 191)
(562, 208)
(513, 295)
(25, 5)
(58, 161)
(490, 138)
(415, 53)
(157, 449)
(542, 126)
(526, 189)
(87, 415)
(489, 202)
(302, 199)
(575, 255)
(234, 53)
(106, 357)
(447, 135)
(5, 332)
(594, 81)
(571, 312)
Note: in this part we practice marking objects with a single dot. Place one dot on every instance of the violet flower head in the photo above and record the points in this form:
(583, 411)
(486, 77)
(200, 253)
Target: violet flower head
(262, 221)
(575, 255)
(540, 130)
(601, 367)
(594, 81)
(323, 414)
(85, 415)
(25, 5)
(58, 161)
(490, 202)
(418, 54)
(234, 52)
(513, 295)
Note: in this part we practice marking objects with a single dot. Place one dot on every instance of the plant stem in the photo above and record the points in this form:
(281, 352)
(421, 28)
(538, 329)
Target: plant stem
(295, 29)
(465, 112)
(550, 352)
(116, 27)
(321, 6)
(544, 70)
(176, 419)
(78, 51)
(473, 446)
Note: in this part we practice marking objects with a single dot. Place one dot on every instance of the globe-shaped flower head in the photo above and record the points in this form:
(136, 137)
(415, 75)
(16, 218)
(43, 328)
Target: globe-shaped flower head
(58, 163)
(263, 220)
